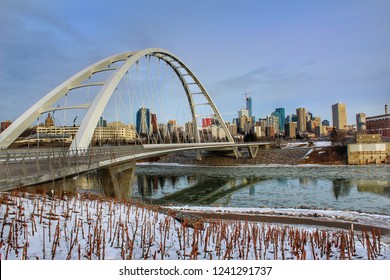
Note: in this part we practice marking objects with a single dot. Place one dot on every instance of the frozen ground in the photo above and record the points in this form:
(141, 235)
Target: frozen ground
(44, 227)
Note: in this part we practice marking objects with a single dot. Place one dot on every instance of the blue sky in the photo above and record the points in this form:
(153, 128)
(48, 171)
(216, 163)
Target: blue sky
(287, 54)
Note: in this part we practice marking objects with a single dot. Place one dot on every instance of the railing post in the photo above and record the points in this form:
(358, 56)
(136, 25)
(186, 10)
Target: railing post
(37, 163)
(24, 165)
(7, 169)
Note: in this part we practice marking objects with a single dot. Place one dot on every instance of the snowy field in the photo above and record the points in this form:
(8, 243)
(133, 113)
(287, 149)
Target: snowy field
(44, 227)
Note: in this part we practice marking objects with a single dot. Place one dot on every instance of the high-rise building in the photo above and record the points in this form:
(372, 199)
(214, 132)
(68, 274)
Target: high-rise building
(189, 131)
(291, 118)
(249, 106)
(273, 121)
(309, 116)
(5, 124)
(143, 121)
(232, 127)
(243, 118)
(206, 122)
(313, 123)
(281, 113)
(102, 122)
(291, 129)
(361, 122)
(301, 119)
(172, 126)
(243, 112)
(325, 123)
(154, 123)
(339, 116)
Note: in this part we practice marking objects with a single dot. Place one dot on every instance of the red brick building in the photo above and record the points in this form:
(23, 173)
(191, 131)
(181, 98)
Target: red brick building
(206, 122)
(4, 125)
(378, 125)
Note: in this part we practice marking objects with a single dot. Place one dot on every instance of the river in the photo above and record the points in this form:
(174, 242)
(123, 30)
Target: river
(357, 188)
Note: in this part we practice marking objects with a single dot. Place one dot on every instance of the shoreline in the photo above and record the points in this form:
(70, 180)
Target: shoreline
(310, 220)
(321, 155)
(293, 157)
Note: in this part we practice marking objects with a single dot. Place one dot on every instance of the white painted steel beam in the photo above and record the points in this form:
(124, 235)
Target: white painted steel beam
(95, 109)
(8, 136)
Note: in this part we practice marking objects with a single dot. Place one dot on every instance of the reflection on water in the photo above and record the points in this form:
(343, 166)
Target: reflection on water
(342, 188)
(329, 189)
(257, 192)
(94, 182)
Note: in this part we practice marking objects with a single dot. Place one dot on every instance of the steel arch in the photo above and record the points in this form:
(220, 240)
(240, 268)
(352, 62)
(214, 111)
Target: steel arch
(85, 132)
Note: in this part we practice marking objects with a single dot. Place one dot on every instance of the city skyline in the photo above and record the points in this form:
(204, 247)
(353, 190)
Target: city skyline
(290, 55)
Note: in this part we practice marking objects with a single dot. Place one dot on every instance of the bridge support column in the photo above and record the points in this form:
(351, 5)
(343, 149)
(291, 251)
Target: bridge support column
(253, 151)
(118, 180)
(236, 152)
(198, 155)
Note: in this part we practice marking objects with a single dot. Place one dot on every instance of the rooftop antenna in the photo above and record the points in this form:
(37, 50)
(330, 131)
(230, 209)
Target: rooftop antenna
(246, 94)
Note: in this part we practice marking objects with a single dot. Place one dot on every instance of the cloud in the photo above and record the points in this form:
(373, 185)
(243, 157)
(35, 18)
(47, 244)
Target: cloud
(275, 78)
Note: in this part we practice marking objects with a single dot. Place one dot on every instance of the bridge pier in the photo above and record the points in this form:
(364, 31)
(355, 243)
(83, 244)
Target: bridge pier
(253, 151)
(117, 180)
(198, 155)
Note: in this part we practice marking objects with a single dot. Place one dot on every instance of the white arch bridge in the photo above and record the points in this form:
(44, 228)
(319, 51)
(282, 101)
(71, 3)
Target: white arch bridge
(92, 91)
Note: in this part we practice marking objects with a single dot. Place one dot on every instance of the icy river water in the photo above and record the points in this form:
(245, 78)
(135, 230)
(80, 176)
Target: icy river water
(357, 188)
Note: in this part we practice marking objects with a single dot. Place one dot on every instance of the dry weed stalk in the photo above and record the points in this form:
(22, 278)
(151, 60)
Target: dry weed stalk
(86, 226)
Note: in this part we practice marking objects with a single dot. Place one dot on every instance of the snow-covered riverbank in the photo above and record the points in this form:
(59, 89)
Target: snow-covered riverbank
(44, 227)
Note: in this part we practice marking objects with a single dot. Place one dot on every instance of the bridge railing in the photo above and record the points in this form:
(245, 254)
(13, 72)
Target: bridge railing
(30, 162)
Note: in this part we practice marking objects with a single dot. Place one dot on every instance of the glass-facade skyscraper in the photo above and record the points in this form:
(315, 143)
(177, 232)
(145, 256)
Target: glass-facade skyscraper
(249, 106)
(143, 121)
(281, 113)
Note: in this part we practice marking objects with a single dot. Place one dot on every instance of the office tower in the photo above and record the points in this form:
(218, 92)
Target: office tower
(361, 122)
(273, 124)
(280, 112)
(143, 121)
(317, 121)
(206, 122)
(313, 123)
(339, 116)
(243, 112)
(325, 123)
(232, 127)
(309, 115)
(249, 106)
(5, 124)
(291, 129)
(291, 118)
(190, 131)
(215, 121)
(102, 122)
(301, 119)
(172, 126)
(154, 123)
(243, 117)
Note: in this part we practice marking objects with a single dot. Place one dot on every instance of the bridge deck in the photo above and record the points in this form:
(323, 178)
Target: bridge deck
(23, 167)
